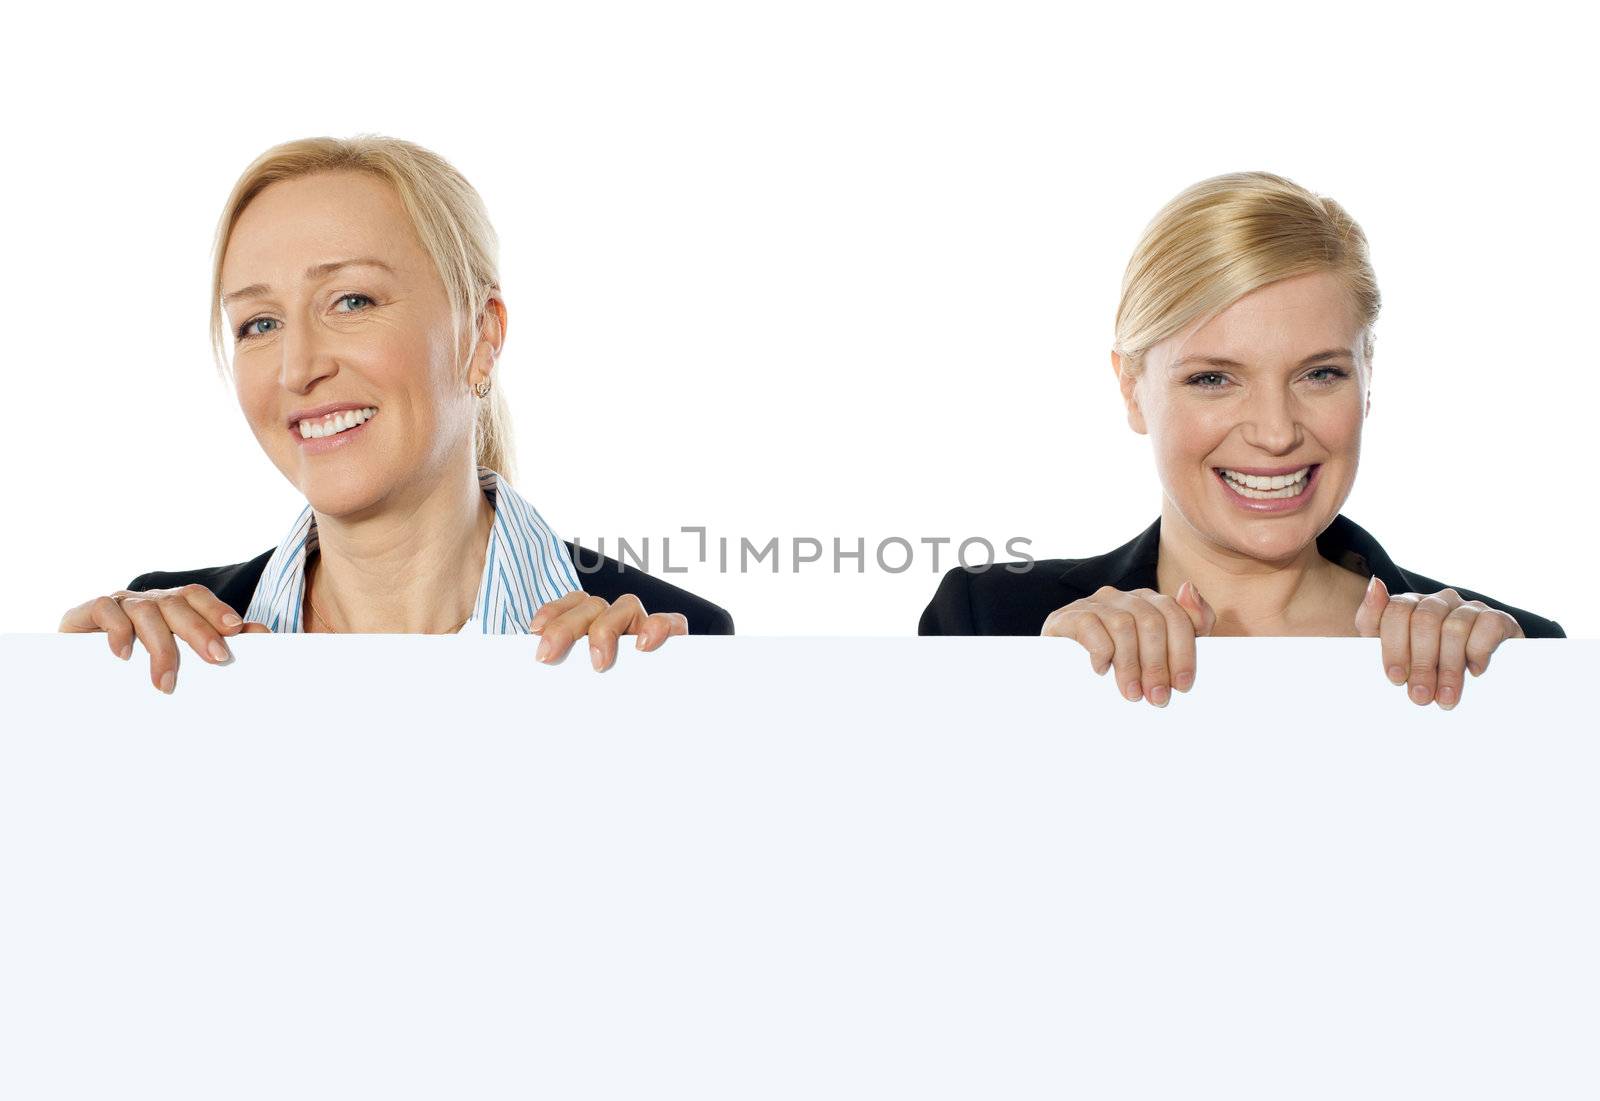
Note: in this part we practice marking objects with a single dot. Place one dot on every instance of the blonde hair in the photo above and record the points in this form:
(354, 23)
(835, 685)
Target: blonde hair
(450, 221)
(1224, 237)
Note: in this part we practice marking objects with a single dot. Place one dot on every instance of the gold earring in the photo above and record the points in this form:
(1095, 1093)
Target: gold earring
(482, 389)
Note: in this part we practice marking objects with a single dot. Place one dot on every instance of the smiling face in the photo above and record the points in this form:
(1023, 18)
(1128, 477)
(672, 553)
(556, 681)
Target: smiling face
(1256, 416)
(334, 303)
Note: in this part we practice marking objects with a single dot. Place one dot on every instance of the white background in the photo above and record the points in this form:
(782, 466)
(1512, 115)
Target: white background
(830, 270)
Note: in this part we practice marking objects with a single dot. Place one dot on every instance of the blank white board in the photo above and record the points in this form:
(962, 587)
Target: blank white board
(396, 866)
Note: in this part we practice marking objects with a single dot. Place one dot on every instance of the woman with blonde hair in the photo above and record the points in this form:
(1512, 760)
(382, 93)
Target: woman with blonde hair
(359, 279)
(1244, 344)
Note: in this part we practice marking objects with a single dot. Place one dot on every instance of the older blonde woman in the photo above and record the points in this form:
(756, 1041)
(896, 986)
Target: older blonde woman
(359, 279)
(1244, 350)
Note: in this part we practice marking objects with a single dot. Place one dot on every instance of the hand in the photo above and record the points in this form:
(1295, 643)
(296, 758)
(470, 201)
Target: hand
(192, 612)
(562, 622)
(1148, 637)
(1427, 640)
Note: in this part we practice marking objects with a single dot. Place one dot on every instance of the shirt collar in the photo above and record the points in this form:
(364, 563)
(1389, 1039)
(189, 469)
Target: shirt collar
(525, 566)
(1133, 565)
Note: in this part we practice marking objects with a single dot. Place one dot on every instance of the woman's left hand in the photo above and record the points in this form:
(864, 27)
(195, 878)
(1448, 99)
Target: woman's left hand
(1429, 640)
(563, 622)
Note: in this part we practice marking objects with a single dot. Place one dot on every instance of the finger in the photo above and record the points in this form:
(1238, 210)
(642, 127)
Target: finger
(1455, 630)
(1394, 633)
(103, 613)
(1155, 675)
(1427, 628)
(660, 626)
(151, 627)
(1491, 629)
(554, 608)
(1124, 631)
(1369, 613)
(1084, 628)
(1180, 637)
(254, 628)
(561, 632)
(190, 624)
(216, 611)
(1202, 617)
(625, 616)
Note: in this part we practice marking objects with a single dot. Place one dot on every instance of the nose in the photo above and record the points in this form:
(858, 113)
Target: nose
(1272, 421)
(306, 360)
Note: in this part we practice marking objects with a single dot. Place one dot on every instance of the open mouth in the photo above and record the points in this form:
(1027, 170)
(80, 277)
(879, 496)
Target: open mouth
(335, 423)
(1268, 487)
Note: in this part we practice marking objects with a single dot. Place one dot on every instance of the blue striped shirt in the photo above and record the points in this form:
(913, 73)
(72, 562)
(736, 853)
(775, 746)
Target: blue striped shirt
(525, 566)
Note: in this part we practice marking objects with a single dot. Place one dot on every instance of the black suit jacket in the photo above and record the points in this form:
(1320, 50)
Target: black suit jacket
(994, 601)
(602, 576)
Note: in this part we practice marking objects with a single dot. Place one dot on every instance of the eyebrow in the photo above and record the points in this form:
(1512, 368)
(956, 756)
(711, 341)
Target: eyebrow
(1221, 361)
(315, 271)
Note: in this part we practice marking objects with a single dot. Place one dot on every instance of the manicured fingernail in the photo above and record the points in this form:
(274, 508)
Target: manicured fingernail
(126, 652)
(595, 656)
(1447, 697)
(1420, 693)
(638, 642)
(219, 651)
(1183, 682)
(1397, 675)
(544, 650)
(1372, 586)
(231, 620)
(536, 625)
(169, 680)
(1131, 690)
(1160, 694)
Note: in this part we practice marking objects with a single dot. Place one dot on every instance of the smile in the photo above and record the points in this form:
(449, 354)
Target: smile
(335, 423)
(1276, 492)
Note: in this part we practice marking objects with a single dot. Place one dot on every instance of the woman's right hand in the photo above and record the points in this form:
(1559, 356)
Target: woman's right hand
(1147, 637)
(191, 612)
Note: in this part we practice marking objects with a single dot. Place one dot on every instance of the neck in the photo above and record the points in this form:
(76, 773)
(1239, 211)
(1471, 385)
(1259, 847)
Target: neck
(408, 566)
(1252, 596)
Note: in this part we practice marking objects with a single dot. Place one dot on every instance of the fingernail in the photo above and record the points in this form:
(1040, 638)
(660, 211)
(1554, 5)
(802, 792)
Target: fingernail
(595, 657)
(1183, 682)
(544, 650)
(169, 680)
(638, 642)
(126, 652)
(1447, 697)
(231, 620)
(219, 651)
(1397, 675)
(1160, 694)
(1131, 690)
(1420, 693)
(536, 626)
(1372, 585)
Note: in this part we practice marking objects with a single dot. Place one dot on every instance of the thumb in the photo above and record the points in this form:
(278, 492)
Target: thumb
(1370, 611)
(1201, 614)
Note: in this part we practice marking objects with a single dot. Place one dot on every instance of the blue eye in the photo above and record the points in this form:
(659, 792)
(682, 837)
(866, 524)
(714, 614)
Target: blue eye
(245, 332)
(1335, 374)
(348, 297)
(1195, 381)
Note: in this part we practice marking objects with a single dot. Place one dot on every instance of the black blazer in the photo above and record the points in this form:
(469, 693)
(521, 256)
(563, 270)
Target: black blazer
(602, 576)
(995, 601)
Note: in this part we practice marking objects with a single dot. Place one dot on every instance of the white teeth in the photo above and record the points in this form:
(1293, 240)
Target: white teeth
(1264, 487)
(334, 423)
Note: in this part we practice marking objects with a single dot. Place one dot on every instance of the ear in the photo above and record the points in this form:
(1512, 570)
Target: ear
(488, 339)
(1130, 395)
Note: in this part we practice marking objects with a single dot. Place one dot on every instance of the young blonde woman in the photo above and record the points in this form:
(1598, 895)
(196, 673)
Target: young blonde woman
(1243, 349)
(360, 281)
